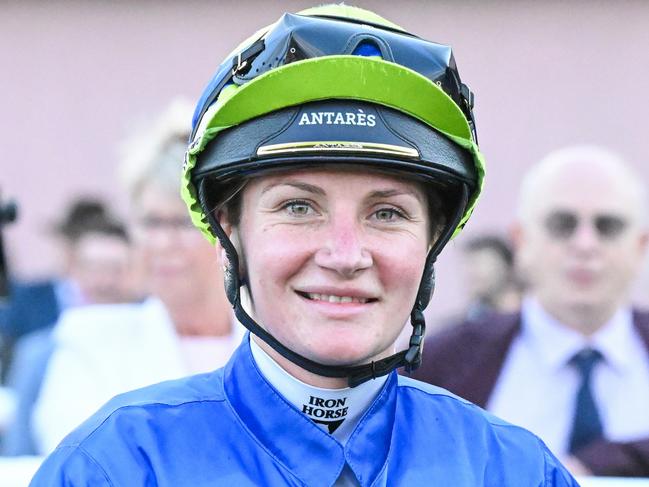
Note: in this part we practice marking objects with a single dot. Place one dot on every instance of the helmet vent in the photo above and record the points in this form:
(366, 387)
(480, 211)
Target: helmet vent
(367, 48)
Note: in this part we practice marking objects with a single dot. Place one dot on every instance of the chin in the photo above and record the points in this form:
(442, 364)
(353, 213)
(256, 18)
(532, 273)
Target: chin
(585, 297)
(344, 352)
(587, 303)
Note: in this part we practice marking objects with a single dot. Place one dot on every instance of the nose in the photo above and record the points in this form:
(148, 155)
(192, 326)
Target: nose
(161, 238)
(343, 248)
(585, 239)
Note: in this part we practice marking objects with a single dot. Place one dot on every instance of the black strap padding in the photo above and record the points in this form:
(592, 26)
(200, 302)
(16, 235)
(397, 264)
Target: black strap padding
(427, 284)
(356, 374)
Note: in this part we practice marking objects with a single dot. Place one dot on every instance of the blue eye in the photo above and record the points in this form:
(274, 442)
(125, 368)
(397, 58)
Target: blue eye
(387, 214)
(298, 208)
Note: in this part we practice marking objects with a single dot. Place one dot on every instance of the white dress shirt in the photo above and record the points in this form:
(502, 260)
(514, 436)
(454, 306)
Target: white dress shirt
(537, 387)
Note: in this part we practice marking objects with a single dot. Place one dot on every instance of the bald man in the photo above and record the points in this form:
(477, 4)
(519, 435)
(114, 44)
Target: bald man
(573, 365)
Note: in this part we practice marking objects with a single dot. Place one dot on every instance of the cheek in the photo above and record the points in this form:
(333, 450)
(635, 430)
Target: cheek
(539, 258)
(624, 262)
(271, 265)
(400, 270)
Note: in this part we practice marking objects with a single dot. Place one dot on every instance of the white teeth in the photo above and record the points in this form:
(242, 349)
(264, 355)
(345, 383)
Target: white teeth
(336, 299)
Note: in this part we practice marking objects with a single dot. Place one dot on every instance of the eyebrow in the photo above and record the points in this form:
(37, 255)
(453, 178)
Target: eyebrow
(309, 188)
(387, 193)
(378, 194)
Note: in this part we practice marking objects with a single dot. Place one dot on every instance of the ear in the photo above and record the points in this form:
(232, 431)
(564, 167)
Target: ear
(229, 229)
(224, 221)
(217, 244)
(524, 241)
(516, 235)
(643, 241)
(233, 235)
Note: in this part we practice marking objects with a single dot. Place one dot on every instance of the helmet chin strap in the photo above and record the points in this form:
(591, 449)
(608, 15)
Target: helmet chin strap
(355, 374)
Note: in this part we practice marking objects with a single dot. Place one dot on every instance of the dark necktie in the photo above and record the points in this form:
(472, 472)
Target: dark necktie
(587, 425)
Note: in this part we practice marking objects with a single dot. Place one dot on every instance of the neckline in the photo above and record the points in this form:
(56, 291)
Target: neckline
(294, 440)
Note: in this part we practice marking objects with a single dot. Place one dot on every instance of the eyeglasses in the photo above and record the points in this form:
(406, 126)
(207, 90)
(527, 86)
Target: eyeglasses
(563, 225)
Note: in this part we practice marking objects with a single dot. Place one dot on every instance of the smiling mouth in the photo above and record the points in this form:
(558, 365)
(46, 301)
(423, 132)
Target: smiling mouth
(332, 298)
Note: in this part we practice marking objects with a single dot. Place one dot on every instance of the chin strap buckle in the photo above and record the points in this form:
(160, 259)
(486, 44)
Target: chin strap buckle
(413, 355)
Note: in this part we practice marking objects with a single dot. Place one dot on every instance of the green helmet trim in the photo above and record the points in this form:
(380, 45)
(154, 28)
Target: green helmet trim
(332, 77)
(350, 12)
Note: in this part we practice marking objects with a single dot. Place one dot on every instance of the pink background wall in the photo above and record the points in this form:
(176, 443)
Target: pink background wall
(75, 76)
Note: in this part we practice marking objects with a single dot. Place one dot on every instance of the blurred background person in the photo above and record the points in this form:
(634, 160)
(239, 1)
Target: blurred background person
(573, 366)
(99, 260)
(99, 264)
(180, 329)
(490, 282)
(490, 278)
(94, 269)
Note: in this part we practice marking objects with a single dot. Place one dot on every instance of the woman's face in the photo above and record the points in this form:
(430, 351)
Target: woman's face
(333, 259)
(179, 264)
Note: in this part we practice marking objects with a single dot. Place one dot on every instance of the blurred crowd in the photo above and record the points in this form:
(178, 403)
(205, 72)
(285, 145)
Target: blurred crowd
(134, 304)
(548, 338)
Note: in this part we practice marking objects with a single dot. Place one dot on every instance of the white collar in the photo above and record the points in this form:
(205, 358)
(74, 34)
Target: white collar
(555, 343)
(336, 411)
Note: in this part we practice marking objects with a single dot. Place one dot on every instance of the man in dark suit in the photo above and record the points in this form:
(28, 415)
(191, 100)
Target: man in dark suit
(573, 365)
